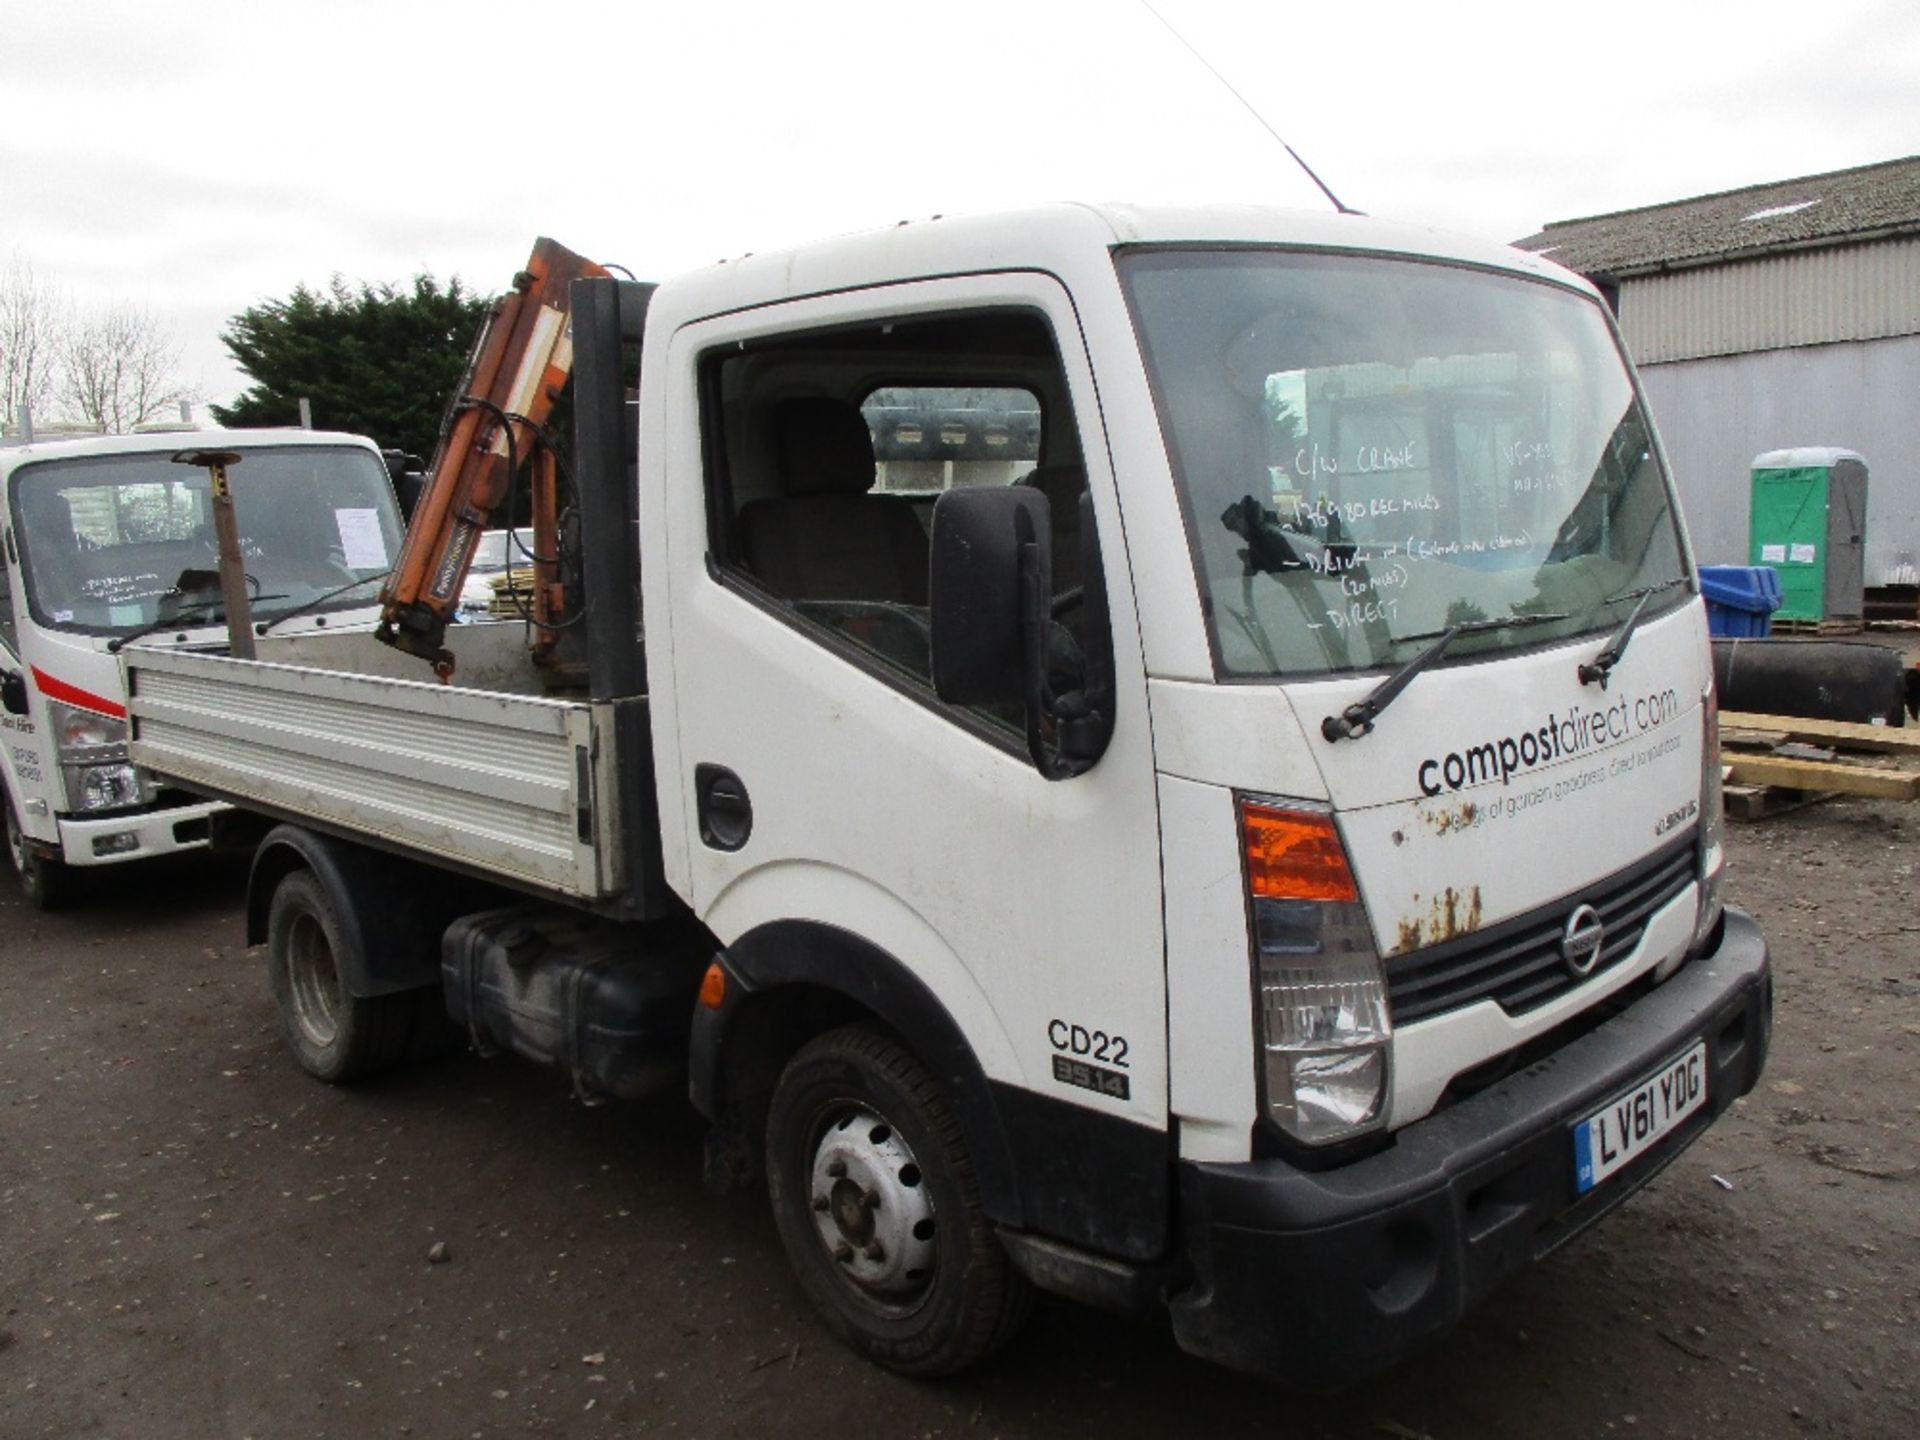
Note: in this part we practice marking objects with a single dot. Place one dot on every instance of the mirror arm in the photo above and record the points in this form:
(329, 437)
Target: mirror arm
(1036, 607)
(1078, 728)
(1085, 736)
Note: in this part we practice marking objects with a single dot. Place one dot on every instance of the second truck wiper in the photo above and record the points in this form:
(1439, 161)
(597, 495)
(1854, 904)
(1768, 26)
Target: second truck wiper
(1357, 719)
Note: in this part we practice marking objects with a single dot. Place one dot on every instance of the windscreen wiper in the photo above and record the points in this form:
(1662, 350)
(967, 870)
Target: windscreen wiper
(192, 611)
(264, 626)
(1598, 668)
(1358, 718)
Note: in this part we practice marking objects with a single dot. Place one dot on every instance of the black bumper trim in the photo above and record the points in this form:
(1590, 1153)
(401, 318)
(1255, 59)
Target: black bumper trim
(1321, 1278)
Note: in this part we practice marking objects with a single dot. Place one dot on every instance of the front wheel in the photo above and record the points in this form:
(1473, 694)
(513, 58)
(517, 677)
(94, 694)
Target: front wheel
(879, 1210)
(47, 882)
(335, 1036)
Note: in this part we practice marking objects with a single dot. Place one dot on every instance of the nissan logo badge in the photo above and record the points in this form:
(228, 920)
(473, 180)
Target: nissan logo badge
(1580, 941)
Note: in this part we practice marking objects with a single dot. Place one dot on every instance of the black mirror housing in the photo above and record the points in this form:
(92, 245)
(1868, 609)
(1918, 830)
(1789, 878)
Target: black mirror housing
(982, 608)
(401, 462)
(13, 692)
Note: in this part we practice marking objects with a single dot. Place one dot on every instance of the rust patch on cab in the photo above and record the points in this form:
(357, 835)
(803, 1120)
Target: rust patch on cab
(1449, 915)
(1445, 819)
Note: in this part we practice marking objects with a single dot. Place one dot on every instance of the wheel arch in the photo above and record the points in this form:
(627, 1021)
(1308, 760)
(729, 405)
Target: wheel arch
(391, 912)
(788, 981)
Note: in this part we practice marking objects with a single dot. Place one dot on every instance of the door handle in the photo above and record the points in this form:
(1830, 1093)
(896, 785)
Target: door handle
(723, 807)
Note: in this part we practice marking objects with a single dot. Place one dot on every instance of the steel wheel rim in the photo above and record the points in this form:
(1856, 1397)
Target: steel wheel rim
(314, 981)
(871, 1210)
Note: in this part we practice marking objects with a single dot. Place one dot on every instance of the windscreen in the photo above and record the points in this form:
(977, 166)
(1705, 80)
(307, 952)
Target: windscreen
(1373, 450)
(115, 543)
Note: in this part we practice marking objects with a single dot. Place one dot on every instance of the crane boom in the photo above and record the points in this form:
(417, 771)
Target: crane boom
(494, 426)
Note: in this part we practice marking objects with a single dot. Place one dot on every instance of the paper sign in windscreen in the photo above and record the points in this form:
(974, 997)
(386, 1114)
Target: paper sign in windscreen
(360, 538)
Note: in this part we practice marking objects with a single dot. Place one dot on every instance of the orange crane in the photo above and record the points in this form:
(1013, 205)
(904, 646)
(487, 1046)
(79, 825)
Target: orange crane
(494, 429)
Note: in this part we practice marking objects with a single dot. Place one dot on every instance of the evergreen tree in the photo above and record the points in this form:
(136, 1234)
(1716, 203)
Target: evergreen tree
(380, 362)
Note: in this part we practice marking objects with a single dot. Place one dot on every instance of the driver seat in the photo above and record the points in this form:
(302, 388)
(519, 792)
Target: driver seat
(826, 536)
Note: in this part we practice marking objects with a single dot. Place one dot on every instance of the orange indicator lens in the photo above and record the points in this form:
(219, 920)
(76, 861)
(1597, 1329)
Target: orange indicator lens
(1294, 855)
(713, 987)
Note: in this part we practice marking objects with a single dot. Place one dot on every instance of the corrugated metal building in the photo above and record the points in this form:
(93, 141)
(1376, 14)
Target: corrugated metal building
(1779, 315)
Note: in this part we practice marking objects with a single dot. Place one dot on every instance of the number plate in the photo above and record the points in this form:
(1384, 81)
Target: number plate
(1629, 1125)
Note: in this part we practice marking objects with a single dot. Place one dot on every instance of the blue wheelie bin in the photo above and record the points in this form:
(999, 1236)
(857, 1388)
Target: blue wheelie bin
(1740, 599)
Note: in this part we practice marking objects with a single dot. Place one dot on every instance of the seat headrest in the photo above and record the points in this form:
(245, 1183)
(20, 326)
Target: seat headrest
(47, 510)
(823, 447)
(1061, 484)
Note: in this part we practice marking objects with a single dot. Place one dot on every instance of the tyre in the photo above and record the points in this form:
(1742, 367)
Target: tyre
(879, 1210)
(335, 1036)
(48, 883)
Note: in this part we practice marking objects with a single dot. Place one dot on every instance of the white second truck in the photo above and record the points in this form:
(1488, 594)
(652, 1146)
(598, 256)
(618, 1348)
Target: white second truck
(99, 533)
(1222, 820)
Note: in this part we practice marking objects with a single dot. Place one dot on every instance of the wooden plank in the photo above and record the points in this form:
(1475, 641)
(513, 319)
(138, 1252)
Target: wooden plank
(1844, 734)
(1763, 802)
(1844, 625)
(1753, 739)
(1868, 780)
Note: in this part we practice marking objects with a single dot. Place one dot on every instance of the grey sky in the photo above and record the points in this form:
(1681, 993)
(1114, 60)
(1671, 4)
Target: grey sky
(203, 155)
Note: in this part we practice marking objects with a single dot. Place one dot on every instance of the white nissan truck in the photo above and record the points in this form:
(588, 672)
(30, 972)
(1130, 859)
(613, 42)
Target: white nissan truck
(1164, 755)
(100, 534)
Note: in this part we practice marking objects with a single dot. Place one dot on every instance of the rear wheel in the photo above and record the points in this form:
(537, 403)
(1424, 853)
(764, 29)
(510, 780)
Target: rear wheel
(879, 1210)
(334, 1035)
(48, 883)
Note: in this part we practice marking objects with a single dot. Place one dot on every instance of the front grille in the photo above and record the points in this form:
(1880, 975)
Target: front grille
(1517, 962)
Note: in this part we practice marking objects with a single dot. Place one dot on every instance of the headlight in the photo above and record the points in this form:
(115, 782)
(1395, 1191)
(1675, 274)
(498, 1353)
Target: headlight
(93, 760)
(104, 787)
(1324, 1028)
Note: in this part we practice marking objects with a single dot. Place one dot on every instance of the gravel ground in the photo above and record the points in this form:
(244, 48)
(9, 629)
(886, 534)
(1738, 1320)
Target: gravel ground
(196, 1241)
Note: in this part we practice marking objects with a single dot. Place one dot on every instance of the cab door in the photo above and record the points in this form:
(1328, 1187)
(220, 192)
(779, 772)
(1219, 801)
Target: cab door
(821, 781)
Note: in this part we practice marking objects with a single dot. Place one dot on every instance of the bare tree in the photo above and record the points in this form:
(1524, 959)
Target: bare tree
(32, 319)
(120, 369)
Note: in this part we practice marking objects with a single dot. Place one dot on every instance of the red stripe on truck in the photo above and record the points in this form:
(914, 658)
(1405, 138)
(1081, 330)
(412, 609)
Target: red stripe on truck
(56, 689)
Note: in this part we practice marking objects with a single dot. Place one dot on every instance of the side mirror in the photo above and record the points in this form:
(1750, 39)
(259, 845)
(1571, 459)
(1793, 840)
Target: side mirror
(992, 607)
(13, 692)
(399, 462)
(407, 490)
(985, 611)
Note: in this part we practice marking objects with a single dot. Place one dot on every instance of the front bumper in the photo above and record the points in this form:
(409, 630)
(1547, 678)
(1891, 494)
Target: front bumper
(136, 834)
(1318, 1279)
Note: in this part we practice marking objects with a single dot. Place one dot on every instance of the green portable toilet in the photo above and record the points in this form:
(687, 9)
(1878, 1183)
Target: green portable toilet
(1809, 522)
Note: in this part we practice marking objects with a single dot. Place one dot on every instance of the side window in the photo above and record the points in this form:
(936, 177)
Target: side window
(827, 449)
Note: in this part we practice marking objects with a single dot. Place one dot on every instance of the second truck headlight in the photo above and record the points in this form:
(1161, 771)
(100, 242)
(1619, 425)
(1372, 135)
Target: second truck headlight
(93, 760)
(1325, 1031)
(103, 787)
